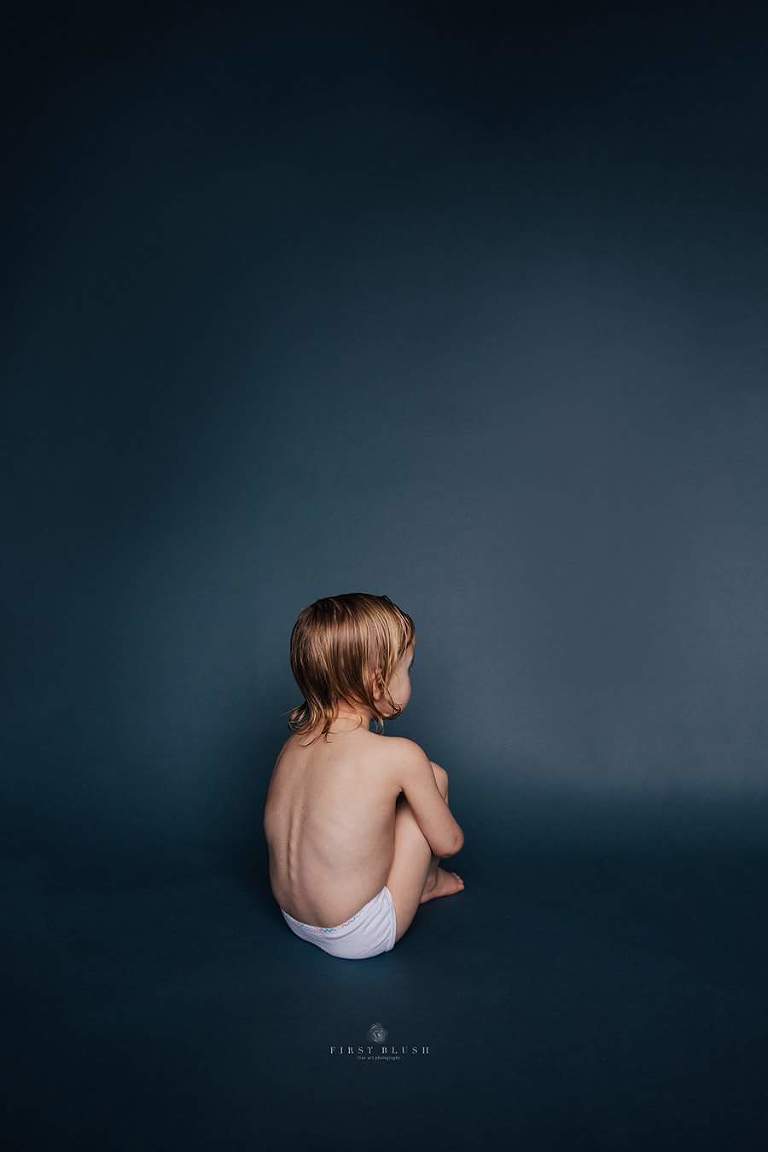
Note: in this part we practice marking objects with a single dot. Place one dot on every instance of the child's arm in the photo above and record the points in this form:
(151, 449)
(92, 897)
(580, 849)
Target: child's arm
(433, 816)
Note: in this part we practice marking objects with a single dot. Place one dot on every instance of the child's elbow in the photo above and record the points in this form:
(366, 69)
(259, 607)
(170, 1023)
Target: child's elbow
(457, 843)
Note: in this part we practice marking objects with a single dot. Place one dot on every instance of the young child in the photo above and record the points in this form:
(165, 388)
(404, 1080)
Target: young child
(355, 822)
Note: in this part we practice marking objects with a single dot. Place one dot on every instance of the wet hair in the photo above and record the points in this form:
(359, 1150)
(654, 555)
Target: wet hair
(337, 645)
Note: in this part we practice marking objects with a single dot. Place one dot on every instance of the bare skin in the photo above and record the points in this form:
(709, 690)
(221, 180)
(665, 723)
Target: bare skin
(339, 826)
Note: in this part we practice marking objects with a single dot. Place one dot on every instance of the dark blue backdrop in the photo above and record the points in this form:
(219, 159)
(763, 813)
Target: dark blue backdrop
(463, 305)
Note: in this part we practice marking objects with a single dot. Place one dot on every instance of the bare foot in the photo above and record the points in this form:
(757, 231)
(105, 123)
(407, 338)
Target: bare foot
(444, 884)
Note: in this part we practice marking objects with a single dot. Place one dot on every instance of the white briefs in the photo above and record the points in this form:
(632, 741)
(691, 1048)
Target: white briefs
(370, 931)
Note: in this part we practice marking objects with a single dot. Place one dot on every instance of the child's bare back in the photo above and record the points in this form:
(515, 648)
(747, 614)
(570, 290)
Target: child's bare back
(329, 821)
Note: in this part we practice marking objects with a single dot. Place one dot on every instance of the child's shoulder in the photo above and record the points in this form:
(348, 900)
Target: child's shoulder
(400, 748)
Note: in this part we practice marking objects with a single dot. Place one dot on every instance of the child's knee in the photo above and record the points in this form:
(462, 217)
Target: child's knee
(441, 778)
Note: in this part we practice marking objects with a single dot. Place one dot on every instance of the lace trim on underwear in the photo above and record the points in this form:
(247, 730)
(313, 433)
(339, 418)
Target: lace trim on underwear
(335, 928)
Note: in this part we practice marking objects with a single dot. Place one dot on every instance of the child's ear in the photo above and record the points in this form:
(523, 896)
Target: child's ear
(378, 685)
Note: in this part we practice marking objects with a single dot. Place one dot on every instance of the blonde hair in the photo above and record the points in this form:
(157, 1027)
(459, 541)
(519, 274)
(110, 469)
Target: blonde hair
(342, 648)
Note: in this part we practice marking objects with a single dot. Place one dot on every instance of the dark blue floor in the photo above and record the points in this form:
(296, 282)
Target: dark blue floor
(585, 992)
